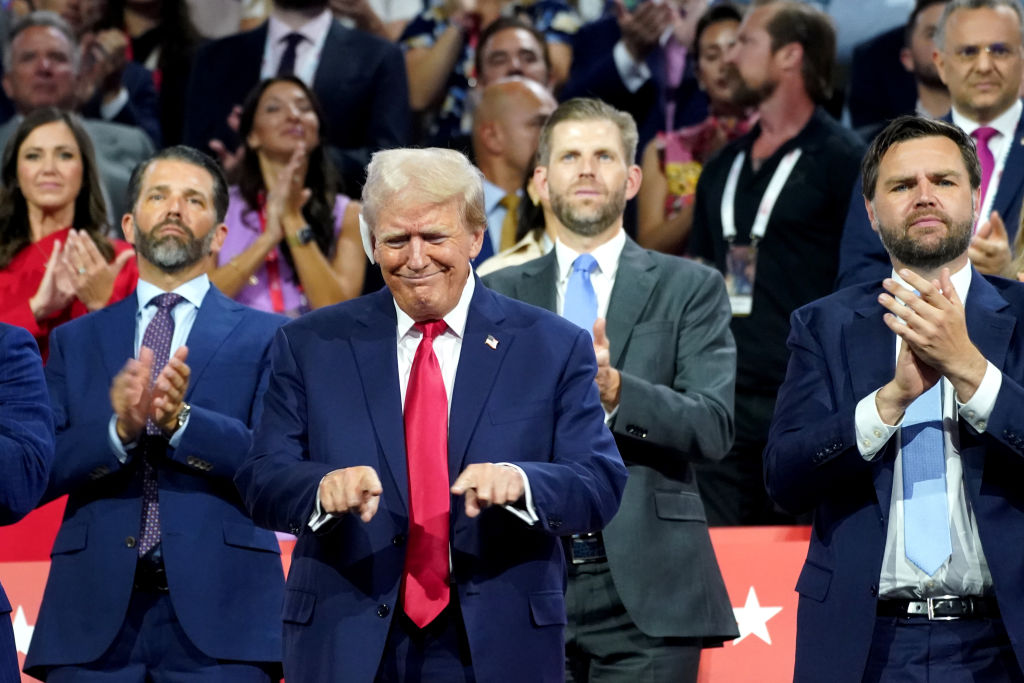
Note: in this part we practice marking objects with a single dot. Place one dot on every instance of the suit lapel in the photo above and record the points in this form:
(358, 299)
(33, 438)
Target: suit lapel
(216, 318)
(634, 284)
(538, 282)
(869, 371)
(374, 346)
(116, 325)
(479, 361)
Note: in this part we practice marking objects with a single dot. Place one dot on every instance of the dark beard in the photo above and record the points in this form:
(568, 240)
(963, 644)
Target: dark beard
(588, 226)
(742, 95)
(910, 253)
(171, 254)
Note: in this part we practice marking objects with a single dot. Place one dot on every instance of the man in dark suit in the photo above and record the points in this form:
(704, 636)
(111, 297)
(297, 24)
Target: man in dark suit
(157, 570)
(980, 58)
(406, 567)
(26, 453)
(358, 78)
(666, 369)
(899, 425)
(627, 61)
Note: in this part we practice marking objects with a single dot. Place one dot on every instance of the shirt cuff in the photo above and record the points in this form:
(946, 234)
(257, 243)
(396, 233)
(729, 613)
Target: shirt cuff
(633, 73)
(872, 432)
(978, 410)
(111, 109)
(526, 512)
(120, 449)
(319, 517)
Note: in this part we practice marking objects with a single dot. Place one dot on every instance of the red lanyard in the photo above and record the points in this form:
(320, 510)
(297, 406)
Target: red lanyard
(273, 265)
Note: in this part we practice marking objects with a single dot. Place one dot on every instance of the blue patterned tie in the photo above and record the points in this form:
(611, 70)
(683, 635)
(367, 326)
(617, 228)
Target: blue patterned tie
(158, 338)
(925, 514)
(580, 300)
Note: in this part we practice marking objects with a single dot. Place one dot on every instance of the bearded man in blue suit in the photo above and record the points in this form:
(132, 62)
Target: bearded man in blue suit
(439, 563)
(900, 425)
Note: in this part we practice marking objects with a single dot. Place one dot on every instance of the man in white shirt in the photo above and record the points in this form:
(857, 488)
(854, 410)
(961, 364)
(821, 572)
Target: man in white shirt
(646, 594)
(899, 425)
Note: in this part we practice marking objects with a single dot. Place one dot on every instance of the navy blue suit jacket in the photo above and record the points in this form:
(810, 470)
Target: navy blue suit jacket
(841, 352)
(862, 258)
(594, 75)
(26, 452)
(333, 402)
(360, 83)
(224, 573)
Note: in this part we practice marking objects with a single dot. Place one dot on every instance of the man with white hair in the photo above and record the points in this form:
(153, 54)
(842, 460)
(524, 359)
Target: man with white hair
(428, 444)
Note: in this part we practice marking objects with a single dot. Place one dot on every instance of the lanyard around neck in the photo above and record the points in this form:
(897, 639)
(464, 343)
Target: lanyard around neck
(764, 209)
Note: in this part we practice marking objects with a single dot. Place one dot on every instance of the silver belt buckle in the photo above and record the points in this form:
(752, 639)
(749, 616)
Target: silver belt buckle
(931, 609)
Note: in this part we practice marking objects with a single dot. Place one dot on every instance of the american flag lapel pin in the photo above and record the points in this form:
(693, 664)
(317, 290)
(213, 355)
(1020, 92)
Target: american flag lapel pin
(492, 342)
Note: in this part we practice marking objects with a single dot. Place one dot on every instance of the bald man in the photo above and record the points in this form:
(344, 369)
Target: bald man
(506, 129)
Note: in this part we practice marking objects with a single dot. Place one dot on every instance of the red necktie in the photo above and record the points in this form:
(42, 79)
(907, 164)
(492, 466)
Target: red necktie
(425, 579)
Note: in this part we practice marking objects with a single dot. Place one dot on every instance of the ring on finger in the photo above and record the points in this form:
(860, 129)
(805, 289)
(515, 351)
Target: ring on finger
(82, 270)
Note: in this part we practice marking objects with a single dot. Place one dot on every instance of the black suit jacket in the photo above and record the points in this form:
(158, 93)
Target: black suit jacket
(360, 83)
(668, 326)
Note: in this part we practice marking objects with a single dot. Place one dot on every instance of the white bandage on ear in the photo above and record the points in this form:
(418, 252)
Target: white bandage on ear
(364, 234)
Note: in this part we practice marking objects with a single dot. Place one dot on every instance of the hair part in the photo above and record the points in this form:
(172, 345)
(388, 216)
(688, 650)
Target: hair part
(809, 27)
(907, 128)
(589, 109)
(398, 178)
(189, 155)
(45, 19)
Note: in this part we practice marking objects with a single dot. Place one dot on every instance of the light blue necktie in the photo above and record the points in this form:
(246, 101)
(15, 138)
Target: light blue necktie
(580, 301)
(925, 515)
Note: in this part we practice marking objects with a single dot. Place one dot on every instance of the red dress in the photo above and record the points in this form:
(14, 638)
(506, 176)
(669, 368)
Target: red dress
(20, 280)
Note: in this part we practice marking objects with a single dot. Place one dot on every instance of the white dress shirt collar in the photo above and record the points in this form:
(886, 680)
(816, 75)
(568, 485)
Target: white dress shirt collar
(961, 280)
(1005, 123)
(193, 291)
(606, 255)
(314, 30)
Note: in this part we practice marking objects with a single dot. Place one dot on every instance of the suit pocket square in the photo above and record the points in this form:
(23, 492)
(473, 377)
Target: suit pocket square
(298, 606)
(548, 608)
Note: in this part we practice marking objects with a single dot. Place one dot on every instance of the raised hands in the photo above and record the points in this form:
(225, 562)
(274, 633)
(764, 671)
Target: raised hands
(135, 399)
(608, 378)
(89, 275)
(933, 328)
(55, 291)
(990, 247)
(287, 195)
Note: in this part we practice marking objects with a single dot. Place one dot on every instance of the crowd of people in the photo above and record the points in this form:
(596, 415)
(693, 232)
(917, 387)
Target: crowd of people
(274, 256)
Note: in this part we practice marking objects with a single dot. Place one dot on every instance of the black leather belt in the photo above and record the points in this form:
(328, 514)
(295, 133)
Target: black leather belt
(585, 548)
(945, 608)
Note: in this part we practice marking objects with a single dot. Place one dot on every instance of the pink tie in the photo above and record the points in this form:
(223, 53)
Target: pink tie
(988, 163)
(425, 579)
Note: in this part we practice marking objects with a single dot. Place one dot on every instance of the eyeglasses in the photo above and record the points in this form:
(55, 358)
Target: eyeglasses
(999, 52)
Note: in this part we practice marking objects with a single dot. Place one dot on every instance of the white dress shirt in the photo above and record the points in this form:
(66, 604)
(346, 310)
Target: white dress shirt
(966, 571)
(184, 314)
(307, 52)
(999, 144)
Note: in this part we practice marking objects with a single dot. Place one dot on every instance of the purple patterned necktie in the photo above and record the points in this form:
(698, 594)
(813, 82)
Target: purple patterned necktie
(158, 338)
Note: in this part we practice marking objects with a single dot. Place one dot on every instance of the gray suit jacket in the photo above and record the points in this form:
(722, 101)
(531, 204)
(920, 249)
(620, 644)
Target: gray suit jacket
(118, 149)
(668, 326)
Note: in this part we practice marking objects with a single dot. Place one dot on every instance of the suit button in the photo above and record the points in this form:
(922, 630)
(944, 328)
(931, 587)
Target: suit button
(296, 530)
(554, 522)
(874, 591)
(383, 610)
(129, 542)
(398, 540)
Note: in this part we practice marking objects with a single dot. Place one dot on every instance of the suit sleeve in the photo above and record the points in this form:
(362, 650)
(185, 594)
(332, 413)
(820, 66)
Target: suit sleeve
(579, 488)
(26, 426)
(278, 481)
(83, 456)
(812, 443)
(214, 444)
(692, 418)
